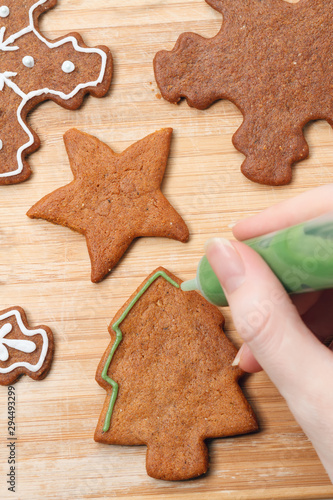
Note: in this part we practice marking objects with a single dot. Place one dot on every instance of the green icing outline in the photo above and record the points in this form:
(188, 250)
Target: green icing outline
(119, 337)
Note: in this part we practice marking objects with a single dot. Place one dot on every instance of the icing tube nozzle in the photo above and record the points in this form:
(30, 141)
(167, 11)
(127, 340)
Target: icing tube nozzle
(188, 286)
(207, 283)
(301, 257)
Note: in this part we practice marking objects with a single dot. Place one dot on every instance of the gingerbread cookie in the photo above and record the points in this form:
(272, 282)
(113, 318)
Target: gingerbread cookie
(114, 198)
(274, 61)
(23, 350)
(169, 379)
(34, 69)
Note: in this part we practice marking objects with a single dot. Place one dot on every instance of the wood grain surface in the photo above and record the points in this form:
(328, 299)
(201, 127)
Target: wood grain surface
(46, 269)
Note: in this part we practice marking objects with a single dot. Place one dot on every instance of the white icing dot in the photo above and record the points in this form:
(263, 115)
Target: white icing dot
(68, 67)
(4, 11)
(1, 144)
(28, 61)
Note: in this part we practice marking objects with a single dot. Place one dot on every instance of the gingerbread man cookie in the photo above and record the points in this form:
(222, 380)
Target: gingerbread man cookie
(274, 61)
(34, 69)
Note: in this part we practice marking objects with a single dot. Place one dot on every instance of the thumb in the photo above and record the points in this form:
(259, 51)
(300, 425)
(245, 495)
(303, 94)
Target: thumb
(268, 322)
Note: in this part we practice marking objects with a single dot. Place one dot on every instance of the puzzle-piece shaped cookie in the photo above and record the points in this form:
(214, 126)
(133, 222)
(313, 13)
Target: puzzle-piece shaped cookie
(34, 69)
(169, 380)
(273, 60)
(23, 350)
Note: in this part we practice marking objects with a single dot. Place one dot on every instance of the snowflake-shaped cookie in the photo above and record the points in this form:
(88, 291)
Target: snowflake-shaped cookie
(23, 350)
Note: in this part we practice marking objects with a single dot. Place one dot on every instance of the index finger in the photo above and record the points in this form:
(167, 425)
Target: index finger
(305, 206)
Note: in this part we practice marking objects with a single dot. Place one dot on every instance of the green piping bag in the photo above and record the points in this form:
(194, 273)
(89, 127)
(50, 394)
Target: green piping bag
(301, 257)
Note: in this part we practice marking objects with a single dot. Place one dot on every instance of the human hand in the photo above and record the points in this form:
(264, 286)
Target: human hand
(282, 335)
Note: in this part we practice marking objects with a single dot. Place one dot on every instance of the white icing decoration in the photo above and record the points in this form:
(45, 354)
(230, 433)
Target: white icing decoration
(4, 11)
(1, 144)
(21, 345)
(4, 78)
(4, 45)
(68, 67)
(28, 61)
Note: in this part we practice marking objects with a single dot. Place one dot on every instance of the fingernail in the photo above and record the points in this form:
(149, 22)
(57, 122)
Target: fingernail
(226, 263)
(238, 357)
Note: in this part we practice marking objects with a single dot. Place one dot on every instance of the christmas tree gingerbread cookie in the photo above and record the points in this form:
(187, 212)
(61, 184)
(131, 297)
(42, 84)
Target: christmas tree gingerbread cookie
(273, 60)
(23, 350)
(34, 69)
(169, 379)
(114, 198)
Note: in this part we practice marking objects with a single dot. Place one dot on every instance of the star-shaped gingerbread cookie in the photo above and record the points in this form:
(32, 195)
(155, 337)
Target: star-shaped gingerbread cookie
(114, 198)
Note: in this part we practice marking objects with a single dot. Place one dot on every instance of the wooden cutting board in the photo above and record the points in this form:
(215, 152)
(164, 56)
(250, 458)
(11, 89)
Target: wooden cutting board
(46, 269)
